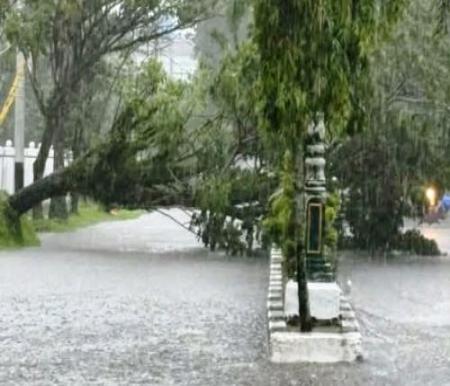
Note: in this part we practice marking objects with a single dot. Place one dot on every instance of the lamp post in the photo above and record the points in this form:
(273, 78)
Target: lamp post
(19, 124)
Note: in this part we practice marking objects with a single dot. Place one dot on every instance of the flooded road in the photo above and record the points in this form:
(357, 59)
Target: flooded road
(140, 302)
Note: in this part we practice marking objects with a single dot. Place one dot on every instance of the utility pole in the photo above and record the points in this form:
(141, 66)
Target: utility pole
(19, 123)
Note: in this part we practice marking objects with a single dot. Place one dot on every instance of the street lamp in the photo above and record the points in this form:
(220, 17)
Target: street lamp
(431, 195)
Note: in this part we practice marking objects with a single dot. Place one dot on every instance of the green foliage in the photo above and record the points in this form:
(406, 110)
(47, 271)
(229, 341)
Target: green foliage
(405, 145)
(332, 208)
(373, 206)
(216, 231)
(282, 80)
(410, 105)
(214, 194)
(313, 56)
(412, 241)
(71, 39)
(231, 210)
(254, 101)
(280, 222)
(444, 10)
(313, 60)
(213, 227)
(147, 140)
(225, 83)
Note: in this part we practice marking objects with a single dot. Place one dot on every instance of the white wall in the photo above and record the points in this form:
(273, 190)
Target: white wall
(7, 155)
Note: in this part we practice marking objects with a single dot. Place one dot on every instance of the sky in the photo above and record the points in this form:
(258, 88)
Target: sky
(175, 53)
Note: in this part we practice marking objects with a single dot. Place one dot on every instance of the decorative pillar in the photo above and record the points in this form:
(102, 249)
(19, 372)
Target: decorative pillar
(324, 292)
(318, 268)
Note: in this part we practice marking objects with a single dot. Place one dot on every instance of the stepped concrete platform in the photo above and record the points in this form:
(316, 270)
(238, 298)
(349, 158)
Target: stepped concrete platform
(340, 341)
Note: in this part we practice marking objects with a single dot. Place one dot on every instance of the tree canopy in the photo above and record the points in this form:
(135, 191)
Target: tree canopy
(230, 141)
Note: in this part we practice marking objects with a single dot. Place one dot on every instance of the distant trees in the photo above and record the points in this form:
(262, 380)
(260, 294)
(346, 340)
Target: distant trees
(405, 143)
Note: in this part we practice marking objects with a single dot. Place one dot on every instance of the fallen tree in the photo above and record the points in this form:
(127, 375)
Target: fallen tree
(112, 174)
(78, 179)
(66, 42)
(161, 151)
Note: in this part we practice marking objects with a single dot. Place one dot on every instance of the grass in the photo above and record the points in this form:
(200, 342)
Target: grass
(89, 214)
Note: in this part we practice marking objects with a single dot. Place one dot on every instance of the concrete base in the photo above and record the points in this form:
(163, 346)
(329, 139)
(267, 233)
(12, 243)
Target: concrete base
(324, 300)
(315, 347)
(341, 343)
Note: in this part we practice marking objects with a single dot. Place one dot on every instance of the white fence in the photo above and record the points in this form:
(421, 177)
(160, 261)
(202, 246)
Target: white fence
(7, 160)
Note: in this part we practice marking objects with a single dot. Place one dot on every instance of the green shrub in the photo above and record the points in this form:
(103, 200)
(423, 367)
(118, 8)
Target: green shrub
(279, 224)
(15, 231)
(412, 241)
(332, 208)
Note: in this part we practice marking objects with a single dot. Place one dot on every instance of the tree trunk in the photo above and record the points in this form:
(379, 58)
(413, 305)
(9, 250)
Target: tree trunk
(82, 177)
(58, 205)
(74, 203)
(39, 164)
(54, 115)
(77, 146)
(303, 296)
(51, 186)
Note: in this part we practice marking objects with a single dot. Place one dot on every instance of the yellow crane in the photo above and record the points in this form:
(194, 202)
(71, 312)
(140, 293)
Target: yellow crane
(5, 109)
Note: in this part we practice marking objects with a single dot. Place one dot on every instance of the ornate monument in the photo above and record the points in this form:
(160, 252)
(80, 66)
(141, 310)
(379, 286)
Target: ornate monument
(338, 338)
(324, 293)
(318, 268)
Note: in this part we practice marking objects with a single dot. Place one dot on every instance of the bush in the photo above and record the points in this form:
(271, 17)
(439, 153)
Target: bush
(413, 241)
(15, 231)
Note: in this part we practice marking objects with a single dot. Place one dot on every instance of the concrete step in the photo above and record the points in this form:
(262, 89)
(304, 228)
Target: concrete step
(350, 326)
(275, 288)
(345, 306)
(274, 293)
(276, 326)
(275, 306)
(276, 315)
(348, 315)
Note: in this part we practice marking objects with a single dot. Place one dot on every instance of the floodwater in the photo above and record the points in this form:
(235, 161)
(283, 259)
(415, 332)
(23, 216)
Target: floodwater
(140, 302)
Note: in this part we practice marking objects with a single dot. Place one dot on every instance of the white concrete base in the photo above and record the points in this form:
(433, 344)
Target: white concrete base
(324, 300)
(287, 345)
(291, 309)
(315, 347)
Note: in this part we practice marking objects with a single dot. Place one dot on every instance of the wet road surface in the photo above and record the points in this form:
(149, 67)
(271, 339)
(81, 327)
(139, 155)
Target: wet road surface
(140, 302)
